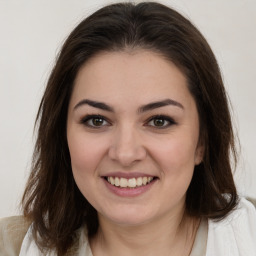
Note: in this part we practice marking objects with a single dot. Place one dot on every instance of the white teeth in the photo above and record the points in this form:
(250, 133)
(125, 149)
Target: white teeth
(144, 180)
(139, 181)
(131, 183)
(150, 179)
(112, 180)
(117, 182)
(123, 182)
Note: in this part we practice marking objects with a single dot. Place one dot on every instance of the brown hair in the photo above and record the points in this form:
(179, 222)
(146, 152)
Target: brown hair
(51, 199)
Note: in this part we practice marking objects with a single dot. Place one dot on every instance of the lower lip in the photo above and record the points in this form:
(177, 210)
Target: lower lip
(129, 192)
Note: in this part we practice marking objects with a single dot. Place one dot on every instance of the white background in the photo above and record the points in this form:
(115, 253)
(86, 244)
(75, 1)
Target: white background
(32, 31)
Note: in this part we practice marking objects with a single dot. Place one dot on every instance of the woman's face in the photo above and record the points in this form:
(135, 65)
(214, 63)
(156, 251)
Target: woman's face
(133, 132)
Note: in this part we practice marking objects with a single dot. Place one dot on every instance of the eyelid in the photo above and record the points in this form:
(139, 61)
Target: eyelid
(84, 120)
(164, 117)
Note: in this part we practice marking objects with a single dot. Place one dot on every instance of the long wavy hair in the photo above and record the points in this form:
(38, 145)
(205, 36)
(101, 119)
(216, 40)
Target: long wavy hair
(52, 199)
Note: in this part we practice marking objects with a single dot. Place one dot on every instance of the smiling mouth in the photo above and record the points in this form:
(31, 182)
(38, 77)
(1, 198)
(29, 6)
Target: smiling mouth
(129, 183)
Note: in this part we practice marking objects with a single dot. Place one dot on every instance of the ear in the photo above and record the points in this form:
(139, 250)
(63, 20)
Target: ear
(199, 154)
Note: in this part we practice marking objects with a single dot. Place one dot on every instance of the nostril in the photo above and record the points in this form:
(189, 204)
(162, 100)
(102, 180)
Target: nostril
(126, 155)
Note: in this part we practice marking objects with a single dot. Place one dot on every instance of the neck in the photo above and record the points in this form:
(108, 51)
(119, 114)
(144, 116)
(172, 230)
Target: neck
(168, 235)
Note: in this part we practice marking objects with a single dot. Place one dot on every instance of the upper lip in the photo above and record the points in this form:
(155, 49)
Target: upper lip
(127, 175)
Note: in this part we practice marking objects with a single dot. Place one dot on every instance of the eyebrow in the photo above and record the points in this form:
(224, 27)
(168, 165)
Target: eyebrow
(94, 104)
(159, 104)
(144, 108)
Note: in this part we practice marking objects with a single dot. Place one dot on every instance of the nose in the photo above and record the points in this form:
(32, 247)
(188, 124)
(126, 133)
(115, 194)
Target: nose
(127, 147)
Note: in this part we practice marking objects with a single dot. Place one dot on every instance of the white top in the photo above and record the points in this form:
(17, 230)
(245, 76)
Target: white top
(235, 235)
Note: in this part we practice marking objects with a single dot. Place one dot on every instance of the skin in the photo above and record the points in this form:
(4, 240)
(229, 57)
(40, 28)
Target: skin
(128, 140)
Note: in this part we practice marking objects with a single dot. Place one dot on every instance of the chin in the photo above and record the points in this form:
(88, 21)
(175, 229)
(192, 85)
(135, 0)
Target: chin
(129, 221)
(129, 217)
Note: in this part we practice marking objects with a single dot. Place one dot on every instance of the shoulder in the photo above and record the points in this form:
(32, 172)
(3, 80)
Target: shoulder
(16, 239)
(12, 232)
(235, 234)
(245, 211)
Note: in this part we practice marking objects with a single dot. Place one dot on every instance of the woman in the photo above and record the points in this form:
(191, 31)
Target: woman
(133, 148)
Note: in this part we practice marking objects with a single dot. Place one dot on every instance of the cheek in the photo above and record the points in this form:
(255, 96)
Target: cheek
(176, 162)
(176, 156)
(86, 153)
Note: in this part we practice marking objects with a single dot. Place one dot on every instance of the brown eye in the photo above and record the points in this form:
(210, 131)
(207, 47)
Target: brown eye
(95, 121)
(160, 122)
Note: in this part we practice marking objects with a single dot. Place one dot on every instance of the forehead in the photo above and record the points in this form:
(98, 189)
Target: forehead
(134, 75)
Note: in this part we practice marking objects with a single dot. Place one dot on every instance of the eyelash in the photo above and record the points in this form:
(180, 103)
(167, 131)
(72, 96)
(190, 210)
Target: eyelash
(168, 121)
(85, 120)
